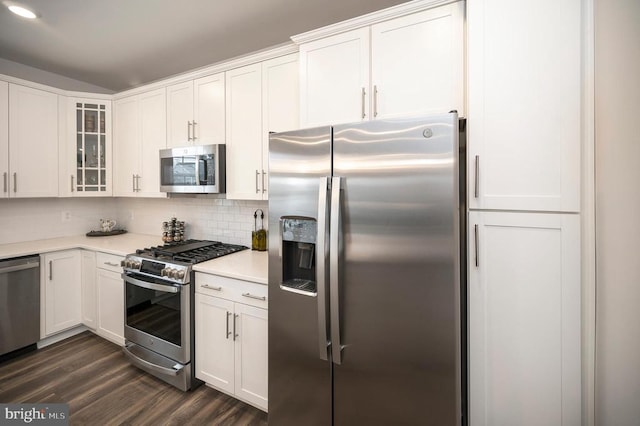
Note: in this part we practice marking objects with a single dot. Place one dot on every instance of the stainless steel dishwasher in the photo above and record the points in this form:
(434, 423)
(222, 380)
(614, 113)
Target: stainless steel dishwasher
(19, 303)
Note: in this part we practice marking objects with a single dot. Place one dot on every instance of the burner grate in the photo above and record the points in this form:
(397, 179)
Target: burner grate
(191, 251)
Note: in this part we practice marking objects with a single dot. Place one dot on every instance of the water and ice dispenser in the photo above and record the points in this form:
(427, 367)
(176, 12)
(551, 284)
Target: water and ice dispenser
(299, 236)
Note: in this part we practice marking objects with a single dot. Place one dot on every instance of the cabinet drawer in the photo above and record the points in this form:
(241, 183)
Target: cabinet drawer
(240, 291)
(110, 262)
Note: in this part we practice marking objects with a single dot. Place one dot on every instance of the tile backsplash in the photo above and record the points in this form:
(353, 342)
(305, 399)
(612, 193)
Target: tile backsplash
(206, 216)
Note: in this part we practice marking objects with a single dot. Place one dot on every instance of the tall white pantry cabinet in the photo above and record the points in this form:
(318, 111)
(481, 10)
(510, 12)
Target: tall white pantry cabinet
(524, 99)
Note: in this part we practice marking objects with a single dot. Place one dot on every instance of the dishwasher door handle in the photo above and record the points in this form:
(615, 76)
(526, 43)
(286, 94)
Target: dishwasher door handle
(22, 267)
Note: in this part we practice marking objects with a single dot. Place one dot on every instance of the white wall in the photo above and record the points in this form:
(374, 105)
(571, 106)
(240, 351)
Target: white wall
(37, 75)
(206, 216)
(617, 97)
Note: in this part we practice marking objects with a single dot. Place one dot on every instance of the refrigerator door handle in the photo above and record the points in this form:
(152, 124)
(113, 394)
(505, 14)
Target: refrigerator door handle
(323, 342)
(334, 272)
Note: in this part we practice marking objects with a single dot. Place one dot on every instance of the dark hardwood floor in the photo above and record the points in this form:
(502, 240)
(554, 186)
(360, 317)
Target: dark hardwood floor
(102, 388)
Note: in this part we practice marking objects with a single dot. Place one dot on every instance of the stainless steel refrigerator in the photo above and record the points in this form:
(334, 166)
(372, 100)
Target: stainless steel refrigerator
(366, 299)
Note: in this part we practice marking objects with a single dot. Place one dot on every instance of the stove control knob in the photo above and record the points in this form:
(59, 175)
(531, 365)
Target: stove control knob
(123, 263)
(172, 273)
(128, 263)
(164, 272)
(136, 264)
(180, 274)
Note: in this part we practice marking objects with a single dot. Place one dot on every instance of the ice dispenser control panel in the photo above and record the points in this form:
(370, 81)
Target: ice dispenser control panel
(299, 235)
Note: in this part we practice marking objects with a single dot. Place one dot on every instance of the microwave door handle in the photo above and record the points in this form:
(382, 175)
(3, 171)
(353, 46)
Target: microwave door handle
(202, 171)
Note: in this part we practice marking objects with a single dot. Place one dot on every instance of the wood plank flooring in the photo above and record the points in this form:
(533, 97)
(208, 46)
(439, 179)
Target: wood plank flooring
(102, 388)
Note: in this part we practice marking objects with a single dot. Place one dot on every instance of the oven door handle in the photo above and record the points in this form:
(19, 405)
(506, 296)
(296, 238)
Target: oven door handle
(151, 366)
(151, 286)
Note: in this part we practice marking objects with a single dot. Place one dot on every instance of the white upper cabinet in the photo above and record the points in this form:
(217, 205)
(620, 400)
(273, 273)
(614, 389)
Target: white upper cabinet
(408, 65)
(179, 114)
(33, 143)
(88, 164)
(334, 79)
(140, 123)
(417, 63)
(524, 319)
(261, 98)
(196, 112)
(4, 137)
(244, 133)
(209, 110)
(524, 100)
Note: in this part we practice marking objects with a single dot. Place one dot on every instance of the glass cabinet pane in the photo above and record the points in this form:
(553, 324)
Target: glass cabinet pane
(79, 120)
(103, 146)
(102, 122)
(90, 121)
(91, 150)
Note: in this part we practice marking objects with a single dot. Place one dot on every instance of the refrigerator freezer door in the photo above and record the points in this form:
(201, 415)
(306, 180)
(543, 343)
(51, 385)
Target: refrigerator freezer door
(399, 272)
(299, 380)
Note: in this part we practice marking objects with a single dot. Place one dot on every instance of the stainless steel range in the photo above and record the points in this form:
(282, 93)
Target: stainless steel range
(159, 314)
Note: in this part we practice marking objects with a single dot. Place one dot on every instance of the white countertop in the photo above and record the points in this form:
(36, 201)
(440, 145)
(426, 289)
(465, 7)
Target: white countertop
(117, 244)
(245, 265)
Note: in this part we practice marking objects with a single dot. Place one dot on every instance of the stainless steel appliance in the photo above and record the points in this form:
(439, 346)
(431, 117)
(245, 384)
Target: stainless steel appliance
(19, 304)
(159, 311)
(366, 300)
(193, 169)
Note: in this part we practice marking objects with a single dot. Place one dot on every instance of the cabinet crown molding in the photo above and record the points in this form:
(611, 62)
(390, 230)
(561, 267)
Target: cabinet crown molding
(370, 19)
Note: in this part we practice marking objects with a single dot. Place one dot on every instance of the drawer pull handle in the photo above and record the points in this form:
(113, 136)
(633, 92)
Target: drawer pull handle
(212, 288)
(251, 296)
(111, 264)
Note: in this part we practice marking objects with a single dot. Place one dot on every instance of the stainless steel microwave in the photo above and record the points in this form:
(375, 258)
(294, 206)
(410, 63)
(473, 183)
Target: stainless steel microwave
(193, 169)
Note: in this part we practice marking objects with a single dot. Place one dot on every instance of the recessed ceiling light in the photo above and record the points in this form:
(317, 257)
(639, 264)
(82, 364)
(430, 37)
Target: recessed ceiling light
(21, 11)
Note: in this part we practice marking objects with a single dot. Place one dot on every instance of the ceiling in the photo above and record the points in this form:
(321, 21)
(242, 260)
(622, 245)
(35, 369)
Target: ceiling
(120, 44)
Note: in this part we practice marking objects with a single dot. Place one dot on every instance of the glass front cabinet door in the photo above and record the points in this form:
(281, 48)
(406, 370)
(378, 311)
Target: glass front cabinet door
(90, 121)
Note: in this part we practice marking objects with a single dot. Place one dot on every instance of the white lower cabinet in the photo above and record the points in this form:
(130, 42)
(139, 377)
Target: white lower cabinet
(110, 298)
(60, 291)
(231, 337)
(524, 319)
(89, 297)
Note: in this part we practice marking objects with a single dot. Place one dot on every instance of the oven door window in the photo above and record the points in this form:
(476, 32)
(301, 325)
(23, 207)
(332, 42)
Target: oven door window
(154, 312)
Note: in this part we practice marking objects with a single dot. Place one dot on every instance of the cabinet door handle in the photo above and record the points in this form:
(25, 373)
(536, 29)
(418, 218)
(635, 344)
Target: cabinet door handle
(194, 137)
(188, 130)
(15, 182)
(228, 333)
(476, 189)
(235, 318)
(257, 174)
(212, 288)
(264, 188)
(51, 270)
(133, 183)
(475, 238)
(5, 182)
(72, 189)
(363, 95)
(137, 183)
(252, 296)
(375, 101)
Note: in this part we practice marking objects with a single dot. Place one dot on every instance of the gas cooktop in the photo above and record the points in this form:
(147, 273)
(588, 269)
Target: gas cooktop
(172, 262)
(189, 251)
